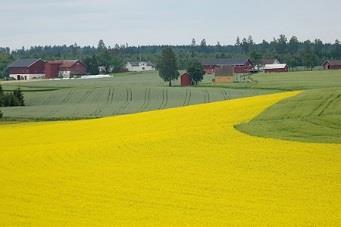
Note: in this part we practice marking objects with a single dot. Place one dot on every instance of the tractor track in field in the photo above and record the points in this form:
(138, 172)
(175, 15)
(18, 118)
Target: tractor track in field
(187, 97)
(67, 97)
(147, 99)
(86, 95)
(206, 96)
(111, 95)
(328, 104)
(225, 94)
(129, 99)
(317, 110)
(164, 102)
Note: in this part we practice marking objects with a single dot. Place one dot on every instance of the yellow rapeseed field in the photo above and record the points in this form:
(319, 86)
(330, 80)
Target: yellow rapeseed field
(183, 166)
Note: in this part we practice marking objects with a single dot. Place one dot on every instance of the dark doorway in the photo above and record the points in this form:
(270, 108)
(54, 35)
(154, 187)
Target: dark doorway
(18, 77)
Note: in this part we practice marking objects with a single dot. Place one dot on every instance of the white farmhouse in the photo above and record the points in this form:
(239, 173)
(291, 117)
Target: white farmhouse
(140, 66)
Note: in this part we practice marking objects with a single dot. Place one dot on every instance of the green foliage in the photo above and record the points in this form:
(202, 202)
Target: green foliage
(1, 114)
(5, 59)
(168, 69)
(196, 71)
(15, 98)
(92, 65)
(19, 97)
(288, 50)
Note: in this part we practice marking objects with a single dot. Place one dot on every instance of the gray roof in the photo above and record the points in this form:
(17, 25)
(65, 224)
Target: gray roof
(23, 63)
(221, 61)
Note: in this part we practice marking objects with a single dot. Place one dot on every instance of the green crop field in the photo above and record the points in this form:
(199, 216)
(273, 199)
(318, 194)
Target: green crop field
(313, 116)
(291, 81)
(123, 94)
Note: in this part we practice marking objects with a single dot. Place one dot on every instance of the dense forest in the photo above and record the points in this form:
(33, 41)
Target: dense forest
(291, 51)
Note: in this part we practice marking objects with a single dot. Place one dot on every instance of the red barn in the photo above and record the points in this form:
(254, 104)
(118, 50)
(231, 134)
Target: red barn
(276, 68)
(332, 64)
(239, 66)
(27, 69)
(52, 70)
(65, 68)
(185, 80)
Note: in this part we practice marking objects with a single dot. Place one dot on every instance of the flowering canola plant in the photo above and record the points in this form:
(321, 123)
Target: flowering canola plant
(182, 166)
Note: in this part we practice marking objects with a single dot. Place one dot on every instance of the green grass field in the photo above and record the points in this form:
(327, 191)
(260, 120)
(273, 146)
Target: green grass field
(313, 116)
(123, 94)
(291, 81)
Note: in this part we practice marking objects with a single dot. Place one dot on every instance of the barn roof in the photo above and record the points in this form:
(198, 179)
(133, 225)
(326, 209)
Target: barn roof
(275, 66)
(221, 61)
(23, 63)
(333, 62)
(64, 63)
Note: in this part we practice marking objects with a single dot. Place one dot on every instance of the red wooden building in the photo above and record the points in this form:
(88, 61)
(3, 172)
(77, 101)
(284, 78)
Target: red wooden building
(239, 66)
(332, 64)
(65, 68)
(186, 80)
(27, 69)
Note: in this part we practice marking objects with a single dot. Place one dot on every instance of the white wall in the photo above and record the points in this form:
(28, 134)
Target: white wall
(143, 66)
(27, 76)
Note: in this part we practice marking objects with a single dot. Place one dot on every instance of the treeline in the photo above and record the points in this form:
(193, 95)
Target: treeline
(113, 58)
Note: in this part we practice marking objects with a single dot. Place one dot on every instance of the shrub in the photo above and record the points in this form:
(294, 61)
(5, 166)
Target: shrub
(15, 98)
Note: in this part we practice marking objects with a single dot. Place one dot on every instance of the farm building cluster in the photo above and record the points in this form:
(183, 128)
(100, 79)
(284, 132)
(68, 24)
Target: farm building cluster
(28, 69)
(235, 70)
(140, 66)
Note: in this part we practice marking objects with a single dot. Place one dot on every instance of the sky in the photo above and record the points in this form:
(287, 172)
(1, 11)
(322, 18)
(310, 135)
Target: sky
(147, 22)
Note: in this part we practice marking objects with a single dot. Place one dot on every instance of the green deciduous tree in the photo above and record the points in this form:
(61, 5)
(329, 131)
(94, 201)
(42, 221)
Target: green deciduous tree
(19, 96)
(196, 71)
(92, 65)
(168, 69)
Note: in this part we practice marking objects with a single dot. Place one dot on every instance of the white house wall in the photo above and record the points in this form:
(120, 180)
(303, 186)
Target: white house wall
(27, 76)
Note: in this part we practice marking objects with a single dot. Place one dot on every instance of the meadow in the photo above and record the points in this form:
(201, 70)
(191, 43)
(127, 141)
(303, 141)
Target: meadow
(313, 116)
(123, 94)
(181, 166)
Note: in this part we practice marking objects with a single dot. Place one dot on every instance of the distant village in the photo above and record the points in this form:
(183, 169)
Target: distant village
(224, 70)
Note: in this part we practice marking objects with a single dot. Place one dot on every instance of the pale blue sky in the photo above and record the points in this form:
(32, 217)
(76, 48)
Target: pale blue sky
(143, 22)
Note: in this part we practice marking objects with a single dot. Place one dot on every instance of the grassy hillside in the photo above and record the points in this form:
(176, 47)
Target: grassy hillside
(313, 116)
(184, 166)
(124, 93)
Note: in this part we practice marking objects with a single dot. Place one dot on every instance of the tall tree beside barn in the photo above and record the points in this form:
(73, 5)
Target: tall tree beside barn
(92, 65)
(196, 71)
(168, 68)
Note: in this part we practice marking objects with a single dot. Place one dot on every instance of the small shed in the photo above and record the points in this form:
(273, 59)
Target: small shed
(276, 68)
(332, 64)
(186, 80)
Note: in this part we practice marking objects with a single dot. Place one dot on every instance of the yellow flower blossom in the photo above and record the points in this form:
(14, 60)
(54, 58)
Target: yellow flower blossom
(182, 166)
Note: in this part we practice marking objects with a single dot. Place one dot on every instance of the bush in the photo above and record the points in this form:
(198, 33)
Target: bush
(15, 98)
(1, 114)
